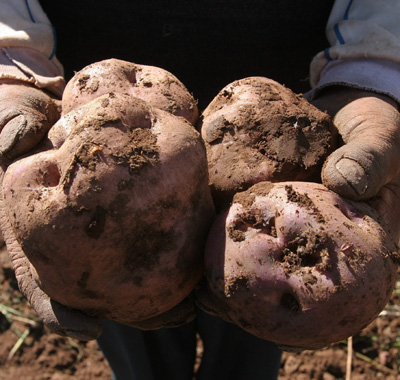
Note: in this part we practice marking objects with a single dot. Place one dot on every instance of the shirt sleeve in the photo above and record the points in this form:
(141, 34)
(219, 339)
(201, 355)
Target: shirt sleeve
(365, 47)
(28, 45)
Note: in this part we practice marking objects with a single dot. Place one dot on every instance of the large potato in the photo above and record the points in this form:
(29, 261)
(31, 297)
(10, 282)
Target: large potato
(114, 217)
(256, 130)
(296, 264)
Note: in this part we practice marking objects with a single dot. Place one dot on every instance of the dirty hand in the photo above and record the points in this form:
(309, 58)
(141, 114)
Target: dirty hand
(26, 114)
(366, 166)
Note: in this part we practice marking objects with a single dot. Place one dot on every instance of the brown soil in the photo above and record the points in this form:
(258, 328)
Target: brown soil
(46, 356)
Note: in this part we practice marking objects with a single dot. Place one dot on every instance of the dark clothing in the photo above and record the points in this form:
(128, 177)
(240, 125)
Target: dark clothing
(205, 43)
(169, 354)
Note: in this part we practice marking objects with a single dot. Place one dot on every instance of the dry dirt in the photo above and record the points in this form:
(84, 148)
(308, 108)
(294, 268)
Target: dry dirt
(256, 130)
(29, 352)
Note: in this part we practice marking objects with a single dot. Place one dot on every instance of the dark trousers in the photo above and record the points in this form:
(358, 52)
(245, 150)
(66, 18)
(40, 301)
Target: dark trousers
(229, 353)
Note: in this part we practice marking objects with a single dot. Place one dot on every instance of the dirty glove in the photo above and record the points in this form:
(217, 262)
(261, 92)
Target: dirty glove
(26, 114)
(366, 166)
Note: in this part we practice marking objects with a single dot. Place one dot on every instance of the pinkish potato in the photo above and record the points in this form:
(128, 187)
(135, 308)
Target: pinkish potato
(154, 85)
(256, 130)
(298, 265)
(114, 218)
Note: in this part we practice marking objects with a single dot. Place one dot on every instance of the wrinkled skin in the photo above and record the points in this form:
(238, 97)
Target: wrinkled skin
(26, 114)
(366, 167)
(126, 236)
(369, 125)
(152, 84)
(296, 264)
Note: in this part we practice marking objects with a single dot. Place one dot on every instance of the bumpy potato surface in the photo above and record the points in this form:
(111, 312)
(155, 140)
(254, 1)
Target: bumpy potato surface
(154, 85)
(296, 264)
(256, 130)
(114, 217)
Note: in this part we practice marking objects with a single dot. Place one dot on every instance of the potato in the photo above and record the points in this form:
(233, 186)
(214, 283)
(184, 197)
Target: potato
(290, 262)
(298, 265)
(152, 84)
(114, 217)
(255, 130)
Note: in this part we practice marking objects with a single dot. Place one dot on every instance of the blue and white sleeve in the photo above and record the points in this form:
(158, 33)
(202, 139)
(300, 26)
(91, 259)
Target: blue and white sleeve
(365, 47)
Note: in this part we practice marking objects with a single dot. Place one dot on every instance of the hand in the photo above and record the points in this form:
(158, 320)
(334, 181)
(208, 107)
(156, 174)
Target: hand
(26, 114)
(366, 167)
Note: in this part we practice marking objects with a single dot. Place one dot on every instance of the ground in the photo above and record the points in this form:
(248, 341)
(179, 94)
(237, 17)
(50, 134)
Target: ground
(29, 352)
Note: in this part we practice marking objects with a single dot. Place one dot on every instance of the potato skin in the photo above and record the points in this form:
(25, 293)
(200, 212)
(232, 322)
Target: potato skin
(154, 85)
(298, 265)
(115, 216)
(290, 262)
(256, 130)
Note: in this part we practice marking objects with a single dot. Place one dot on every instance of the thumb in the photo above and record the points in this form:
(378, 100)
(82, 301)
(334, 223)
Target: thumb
(26, 115)
(368, 160)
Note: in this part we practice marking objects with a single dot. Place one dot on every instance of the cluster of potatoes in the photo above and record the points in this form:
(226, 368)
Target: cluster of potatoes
(133, 198)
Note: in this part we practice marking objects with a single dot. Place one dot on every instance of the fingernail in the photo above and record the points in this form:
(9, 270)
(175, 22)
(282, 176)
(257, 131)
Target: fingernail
(11, 132)
(354, 174)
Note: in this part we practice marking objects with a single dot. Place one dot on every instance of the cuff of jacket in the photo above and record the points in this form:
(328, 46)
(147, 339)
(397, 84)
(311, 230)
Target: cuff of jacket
(31, 66)
(367, 74)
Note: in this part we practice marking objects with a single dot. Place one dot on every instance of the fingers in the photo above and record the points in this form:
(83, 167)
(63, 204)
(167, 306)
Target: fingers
(356, 171)
(26, 115)
(58, 318)
(22, 132)
(68, 322)
(387, 205)
(370, 128)
(179, 315)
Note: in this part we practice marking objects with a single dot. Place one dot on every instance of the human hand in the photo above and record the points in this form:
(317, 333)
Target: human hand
(366, 166)
(26, 114)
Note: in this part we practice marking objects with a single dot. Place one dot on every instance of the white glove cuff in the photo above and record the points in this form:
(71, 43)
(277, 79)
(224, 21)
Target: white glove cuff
(31, 66)
(368, 74)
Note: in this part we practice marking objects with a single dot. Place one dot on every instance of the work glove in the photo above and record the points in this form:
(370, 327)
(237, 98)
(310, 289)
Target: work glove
(366, 166)
(26, 114)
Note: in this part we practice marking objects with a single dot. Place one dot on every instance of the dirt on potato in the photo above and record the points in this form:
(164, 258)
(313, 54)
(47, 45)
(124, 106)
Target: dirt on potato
(154, 85)
(129, 194)
(278, 259)
(142, 151)
(256, 129)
